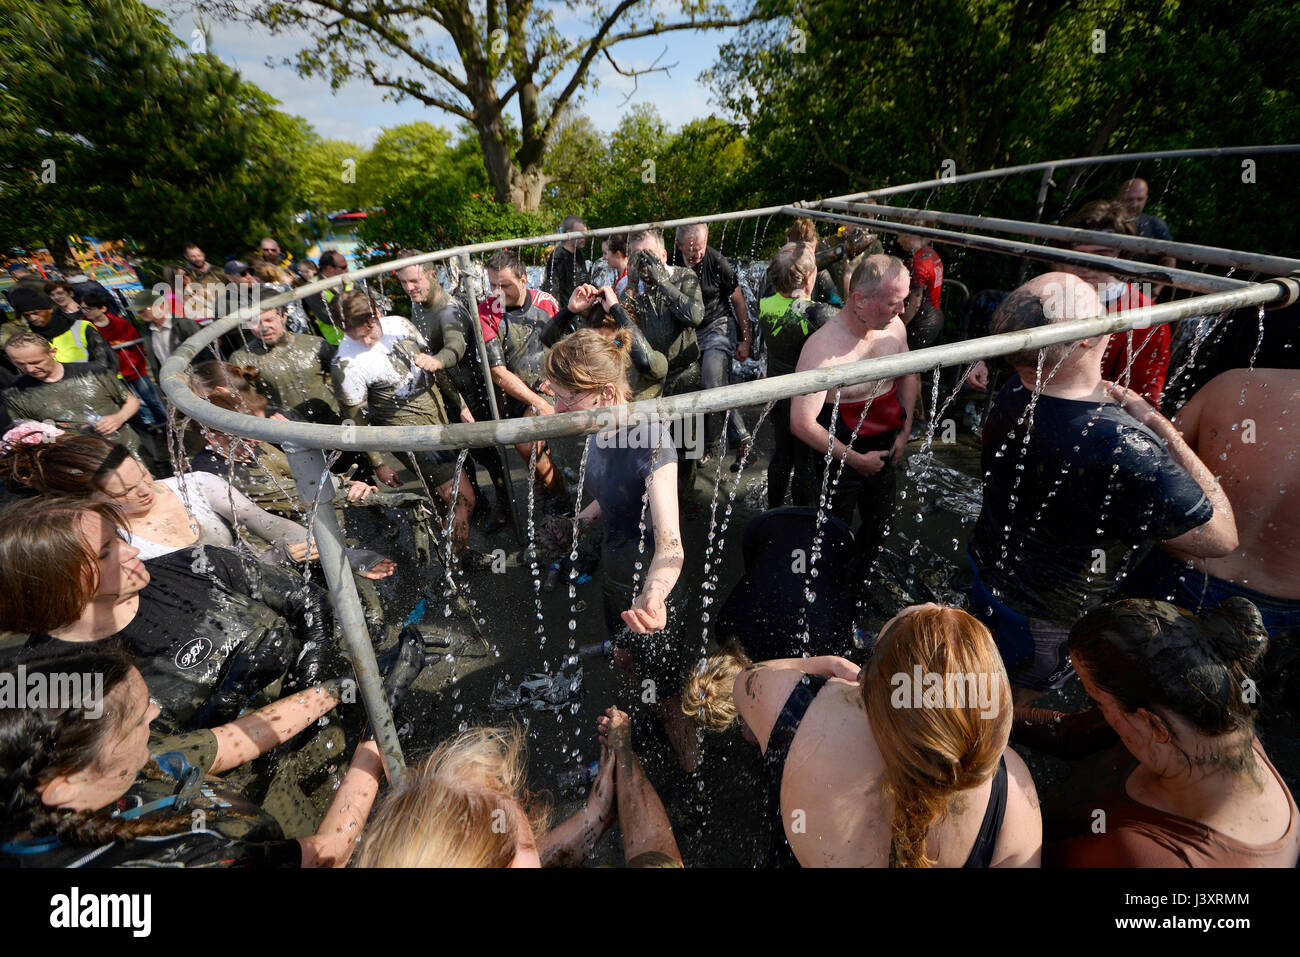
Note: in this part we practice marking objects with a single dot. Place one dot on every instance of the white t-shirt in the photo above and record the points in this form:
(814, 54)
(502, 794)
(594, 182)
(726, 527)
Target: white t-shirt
(387, 364)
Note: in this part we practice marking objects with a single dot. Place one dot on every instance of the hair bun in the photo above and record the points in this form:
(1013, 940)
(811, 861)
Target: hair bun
(1237, 631)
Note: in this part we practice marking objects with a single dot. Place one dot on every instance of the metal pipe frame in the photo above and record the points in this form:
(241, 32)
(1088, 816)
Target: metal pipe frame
(1151, 272)
(304, 442)
(1210, 255)
(467, 292)
(310, 474)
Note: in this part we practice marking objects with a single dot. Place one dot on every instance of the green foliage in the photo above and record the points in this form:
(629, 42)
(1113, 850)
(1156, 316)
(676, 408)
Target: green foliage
(142, 139)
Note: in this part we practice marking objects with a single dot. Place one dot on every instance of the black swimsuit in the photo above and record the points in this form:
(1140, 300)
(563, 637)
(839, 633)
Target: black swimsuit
(778, 749)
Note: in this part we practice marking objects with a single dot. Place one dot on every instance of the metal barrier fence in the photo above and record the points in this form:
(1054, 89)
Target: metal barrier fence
(304, 442)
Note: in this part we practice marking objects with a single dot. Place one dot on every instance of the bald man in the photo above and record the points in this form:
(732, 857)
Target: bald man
(1132, 199)
(1071, 509)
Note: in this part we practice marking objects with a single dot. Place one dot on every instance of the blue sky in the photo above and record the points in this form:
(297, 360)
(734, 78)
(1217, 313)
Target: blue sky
(358, 111)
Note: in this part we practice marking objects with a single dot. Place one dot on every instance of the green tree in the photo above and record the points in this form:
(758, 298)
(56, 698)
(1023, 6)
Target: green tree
(335, 175)
(475, 60)
(107, 127)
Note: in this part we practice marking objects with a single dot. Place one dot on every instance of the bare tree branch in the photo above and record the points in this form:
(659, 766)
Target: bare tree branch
(636, 74)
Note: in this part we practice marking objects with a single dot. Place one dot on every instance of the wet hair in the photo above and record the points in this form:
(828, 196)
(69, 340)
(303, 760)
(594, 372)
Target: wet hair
(802, 230)
(1153, 655)
(654, 237)
(49, 573)
(573, 224)
(96, 300)
(874, 271)
(27, 338)
(356, 308)
(459, 808)
(208, 376)
(507, 259)
(1022, 310)
(73, 464)
(616, 243)
(1101, 215)
(37, 744)
(246, 401)
(791, 267)
(707, 697)
(931, 753)
(681, 232)
(585, 361)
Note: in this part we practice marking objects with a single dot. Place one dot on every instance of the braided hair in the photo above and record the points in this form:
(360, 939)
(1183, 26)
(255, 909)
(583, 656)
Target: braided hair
(37, 744)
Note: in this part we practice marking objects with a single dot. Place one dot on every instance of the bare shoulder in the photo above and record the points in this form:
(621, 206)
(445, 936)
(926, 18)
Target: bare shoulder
(820, 348)
(1020, 844)
(760, 692)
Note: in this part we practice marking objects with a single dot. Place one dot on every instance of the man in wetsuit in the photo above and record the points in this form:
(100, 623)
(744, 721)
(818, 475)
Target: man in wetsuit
(293, 370)
(1241, 424)
(722, 294)
(872, 420)
(512, 319)
(76, 396)
(1078, 487)
(444, 322)
(789, 316)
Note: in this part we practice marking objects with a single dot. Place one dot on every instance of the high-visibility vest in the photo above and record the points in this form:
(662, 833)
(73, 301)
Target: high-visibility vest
(71, 346)
(329, 332)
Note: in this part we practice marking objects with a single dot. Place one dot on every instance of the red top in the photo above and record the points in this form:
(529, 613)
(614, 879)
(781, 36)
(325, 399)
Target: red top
(130, 359)
(884, 414)
(927, 272)
(1147, 350)
(539, 304)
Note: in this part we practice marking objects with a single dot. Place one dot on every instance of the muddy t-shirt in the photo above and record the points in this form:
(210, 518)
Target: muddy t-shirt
(618, 466)
(294, 374)
(1067, 518)
(787, 324)
(385, 378)
(78, 400)
(518, 334)
(717, 283)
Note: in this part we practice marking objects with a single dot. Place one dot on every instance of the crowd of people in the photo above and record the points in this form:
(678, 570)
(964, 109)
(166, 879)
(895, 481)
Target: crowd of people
(1150, 559)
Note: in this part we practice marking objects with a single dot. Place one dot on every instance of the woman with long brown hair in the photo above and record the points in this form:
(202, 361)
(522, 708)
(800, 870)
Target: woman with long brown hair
(903, 763)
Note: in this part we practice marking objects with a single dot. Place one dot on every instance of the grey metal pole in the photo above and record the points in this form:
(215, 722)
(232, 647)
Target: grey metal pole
(1279, 291)
(467, 293)
(1152, 272)
(1210, 255)
(309, 470)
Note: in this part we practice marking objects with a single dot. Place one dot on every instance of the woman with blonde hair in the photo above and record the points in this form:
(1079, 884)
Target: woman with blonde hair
(901, 764)
(632, 476)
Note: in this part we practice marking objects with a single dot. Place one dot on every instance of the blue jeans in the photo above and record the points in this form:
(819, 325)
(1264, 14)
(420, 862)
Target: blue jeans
(152, 411)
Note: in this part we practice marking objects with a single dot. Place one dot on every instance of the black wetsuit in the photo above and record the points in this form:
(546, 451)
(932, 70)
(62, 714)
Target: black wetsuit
(778, 749)
(213, 631)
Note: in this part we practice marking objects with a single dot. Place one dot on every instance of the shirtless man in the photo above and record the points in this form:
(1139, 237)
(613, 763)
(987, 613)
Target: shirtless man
(1242, 426)
(867, 326)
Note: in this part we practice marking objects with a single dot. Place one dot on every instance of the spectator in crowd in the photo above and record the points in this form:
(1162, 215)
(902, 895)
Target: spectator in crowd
(789, 316)
(273, 254)
(882, 777)
(566, 266)
(1137, 358)
(129, 343)
(322, 307)
(1061, 443)
(871, 420)
(198, 267)
(1192, 785)
(1132, 200)
(512, 320)
(294, 370)
(166, 329)
(74, 341)
(76, 396)
(718, 344)
(305, 270)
